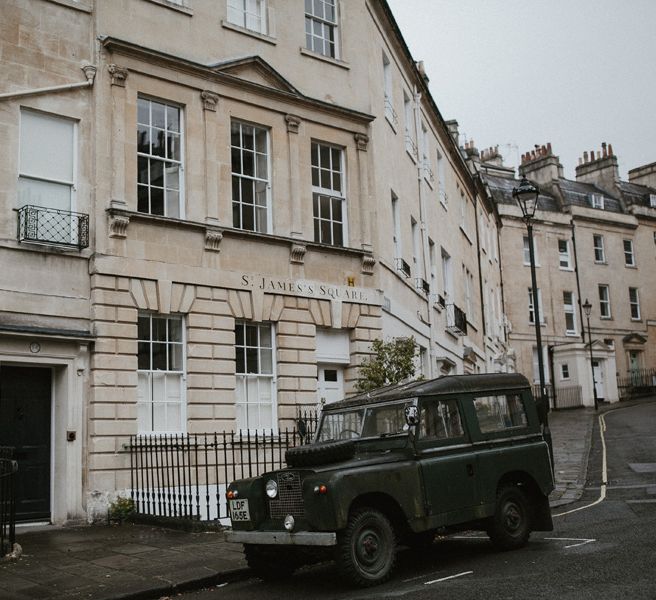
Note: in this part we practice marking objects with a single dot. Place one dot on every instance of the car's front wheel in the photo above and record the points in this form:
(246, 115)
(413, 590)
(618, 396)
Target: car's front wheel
(366, 551)
(510, 526)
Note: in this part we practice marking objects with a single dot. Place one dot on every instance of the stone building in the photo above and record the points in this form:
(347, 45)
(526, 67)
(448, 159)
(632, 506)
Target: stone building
(209, 211)
(594, 240)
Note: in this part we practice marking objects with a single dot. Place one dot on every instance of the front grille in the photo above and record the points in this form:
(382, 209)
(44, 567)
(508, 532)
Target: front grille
(290, 497)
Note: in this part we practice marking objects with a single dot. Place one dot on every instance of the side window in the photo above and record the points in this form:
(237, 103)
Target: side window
(440, 420)
(498, 413)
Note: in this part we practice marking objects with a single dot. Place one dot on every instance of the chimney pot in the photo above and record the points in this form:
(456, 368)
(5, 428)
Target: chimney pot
(592, 155)
(610, 150)
(549, 147)
(580, 161)
(585, 156)
(603, 148)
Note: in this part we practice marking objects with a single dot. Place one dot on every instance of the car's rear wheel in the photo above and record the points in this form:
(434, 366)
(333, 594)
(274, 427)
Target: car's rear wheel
(510, 527)
(269, 563)
(366, 551)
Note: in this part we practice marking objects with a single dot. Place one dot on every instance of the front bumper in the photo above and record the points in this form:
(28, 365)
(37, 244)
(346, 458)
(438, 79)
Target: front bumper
(302, 538)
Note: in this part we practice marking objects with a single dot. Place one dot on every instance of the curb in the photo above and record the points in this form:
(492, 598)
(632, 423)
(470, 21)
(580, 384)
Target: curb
(189, 585)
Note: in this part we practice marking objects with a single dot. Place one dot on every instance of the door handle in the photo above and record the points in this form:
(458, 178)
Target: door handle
(470, 470)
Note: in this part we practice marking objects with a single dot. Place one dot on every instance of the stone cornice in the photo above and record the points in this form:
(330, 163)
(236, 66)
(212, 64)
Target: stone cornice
(206, 73)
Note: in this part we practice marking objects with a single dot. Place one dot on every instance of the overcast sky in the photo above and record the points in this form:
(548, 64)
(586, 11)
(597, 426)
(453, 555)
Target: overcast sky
(575, 73)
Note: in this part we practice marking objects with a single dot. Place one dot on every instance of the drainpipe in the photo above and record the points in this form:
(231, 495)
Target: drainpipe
(424, 232)
(89, 73)
(578, 282)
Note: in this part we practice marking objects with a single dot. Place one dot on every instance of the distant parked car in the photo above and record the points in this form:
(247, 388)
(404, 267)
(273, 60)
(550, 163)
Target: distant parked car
(397, 465)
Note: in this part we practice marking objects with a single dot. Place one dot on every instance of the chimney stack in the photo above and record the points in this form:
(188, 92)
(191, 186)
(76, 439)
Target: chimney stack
(600, 168)
(541, 164)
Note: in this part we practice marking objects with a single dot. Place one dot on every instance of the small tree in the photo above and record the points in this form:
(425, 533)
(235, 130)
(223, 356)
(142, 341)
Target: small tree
(391, 363)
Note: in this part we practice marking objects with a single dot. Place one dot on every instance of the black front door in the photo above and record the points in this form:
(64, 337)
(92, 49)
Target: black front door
(25, 407)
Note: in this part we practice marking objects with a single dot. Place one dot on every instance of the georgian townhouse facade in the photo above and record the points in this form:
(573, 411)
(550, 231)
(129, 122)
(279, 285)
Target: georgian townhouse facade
(593, 241)
(210, 209)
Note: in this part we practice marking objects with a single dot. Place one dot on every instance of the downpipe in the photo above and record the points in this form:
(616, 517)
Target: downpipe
(89, 73)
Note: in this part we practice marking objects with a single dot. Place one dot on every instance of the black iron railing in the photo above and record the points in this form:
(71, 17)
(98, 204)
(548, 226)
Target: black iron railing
(548, 390)
(422, 285)
(8, 469)
(456, 320)
(53, 226)
(185, 475)
(637, 382)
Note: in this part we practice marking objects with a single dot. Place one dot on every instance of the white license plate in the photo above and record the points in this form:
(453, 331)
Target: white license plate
(239, 510)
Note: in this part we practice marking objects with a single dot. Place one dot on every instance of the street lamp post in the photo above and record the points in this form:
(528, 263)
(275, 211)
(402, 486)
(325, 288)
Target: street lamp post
(527, 198)
(587, 309)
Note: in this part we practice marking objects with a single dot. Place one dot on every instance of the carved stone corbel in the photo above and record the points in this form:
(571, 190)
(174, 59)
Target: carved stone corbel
(210, 100)
(297, 253)
(368, 264)
(213, 239)
(118, 226)
(361, 141)
(293, 123)
(119, 74)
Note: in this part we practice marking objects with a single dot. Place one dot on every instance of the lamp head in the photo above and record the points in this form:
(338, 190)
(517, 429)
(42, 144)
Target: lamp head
(587, 307)
(527, 198)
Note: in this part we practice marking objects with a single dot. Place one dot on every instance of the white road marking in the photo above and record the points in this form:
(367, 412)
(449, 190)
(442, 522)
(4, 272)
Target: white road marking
(449, 577)
(582, 541)
(470, 537)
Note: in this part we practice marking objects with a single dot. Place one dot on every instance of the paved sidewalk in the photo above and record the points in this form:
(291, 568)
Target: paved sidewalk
(131, 562)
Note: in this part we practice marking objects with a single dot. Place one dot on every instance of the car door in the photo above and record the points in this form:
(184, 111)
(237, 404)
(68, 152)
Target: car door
(447, 464)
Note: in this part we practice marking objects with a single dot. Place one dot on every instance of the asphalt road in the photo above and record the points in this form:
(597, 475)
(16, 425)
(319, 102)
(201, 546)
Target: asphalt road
(600, 548)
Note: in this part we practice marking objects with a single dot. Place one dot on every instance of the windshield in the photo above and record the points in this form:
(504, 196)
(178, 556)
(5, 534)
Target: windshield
(374, 421)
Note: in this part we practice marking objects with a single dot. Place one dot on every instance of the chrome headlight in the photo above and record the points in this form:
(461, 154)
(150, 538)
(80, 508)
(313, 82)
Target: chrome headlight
(271, 488)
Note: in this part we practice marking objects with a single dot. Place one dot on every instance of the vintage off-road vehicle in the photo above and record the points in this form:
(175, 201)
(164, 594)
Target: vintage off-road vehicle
(397, 465)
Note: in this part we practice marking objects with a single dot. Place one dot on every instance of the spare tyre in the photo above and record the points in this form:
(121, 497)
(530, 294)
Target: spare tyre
(320, 454)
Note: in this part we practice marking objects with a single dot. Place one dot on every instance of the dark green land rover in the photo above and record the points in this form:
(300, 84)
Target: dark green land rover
(396, 466)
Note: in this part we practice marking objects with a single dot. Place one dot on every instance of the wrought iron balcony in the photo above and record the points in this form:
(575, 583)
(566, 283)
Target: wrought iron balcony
(53, 226)
(456, 320)
(439, 300)
(402, 266)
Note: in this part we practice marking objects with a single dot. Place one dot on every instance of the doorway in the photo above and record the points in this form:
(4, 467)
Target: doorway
(598, 370)
(25, 424)
(330, 387)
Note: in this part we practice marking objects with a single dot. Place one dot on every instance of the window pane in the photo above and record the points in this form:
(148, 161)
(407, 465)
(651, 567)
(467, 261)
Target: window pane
(172, 204)
(173, 146)
(158, 115)
(156, 201)
(261, 166)
(175, 330)
(337, 209)
(248, 217)
(143, 139)
(325, 232)
(338, 239)
(143, 111)
(266, 362)
(43, 193)
(142, 170)
(173, 118)
(240, 357)
(159, 329)
(248, 163)
(143, 328)
(46, 146)
(143, 354)
(159, 357)
(251, 335)
(158, 142)
(142, 199)
(260, 193)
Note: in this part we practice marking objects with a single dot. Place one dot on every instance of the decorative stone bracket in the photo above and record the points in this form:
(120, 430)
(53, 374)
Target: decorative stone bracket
(361, 141)
(118, 223)
(119, 74)
(297, 253)
(210, 100)
(293, 123)
(368, 264)
(213, 237)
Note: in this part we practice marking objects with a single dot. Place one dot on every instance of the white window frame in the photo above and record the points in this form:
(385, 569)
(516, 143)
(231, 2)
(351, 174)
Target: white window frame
(417, 255)
(441, 180)
(253, 178)
(652, 200)
(150, 373)
(531, 312)
(527, 252)
(569, 310)
(597, 201)
(328, 28)
(629, 254)
(425, 156)
(564, 258)
(25, 173)
(469, 300)
(268, 378)
(564, 372)
(409, 126)
(390, 113)
(319, 192)
(599, 248)
(634, 303)
(447, 275)
(433, 264)
(165, 160)
(604, 301)
(240, 11)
